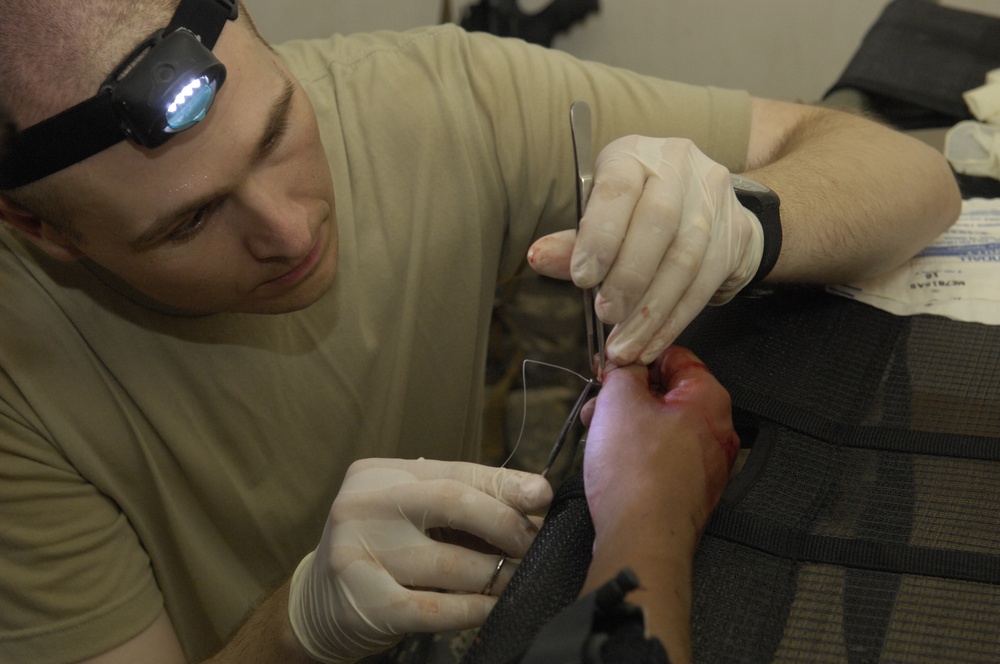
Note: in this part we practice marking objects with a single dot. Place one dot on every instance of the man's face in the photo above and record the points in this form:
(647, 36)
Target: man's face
(236, 214)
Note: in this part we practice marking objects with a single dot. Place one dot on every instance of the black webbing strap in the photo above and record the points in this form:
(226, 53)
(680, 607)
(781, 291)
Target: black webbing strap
(55, 143)
(787, 542)
(205, 18)
(951, 445)
(870, 488)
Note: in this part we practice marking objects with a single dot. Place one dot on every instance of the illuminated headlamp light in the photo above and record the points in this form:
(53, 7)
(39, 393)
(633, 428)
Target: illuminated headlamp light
(165, 86)
(168, 90)
(191, 103)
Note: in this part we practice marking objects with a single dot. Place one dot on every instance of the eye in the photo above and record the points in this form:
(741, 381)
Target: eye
(275, 137)
(193, 225)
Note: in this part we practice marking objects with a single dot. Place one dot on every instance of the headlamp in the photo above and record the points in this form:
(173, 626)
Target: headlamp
(168, 90)
(165, 86)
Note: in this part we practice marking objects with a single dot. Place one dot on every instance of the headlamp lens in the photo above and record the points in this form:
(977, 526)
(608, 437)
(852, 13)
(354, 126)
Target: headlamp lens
(169, 90)
(191, 104)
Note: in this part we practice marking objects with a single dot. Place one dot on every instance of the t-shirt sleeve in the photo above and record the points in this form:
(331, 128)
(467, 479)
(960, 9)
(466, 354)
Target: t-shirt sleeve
(524, 92)
(76, 581)
(493, 114)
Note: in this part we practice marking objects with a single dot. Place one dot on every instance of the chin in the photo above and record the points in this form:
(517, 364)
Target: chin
(302, 298)
(283, 306)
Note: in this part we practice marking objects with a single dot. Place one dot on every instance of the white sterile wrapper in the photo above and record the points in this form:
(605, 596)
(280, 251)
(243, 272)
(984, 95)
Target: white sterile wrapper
(973, 148)
(984, 102)
(956, 276)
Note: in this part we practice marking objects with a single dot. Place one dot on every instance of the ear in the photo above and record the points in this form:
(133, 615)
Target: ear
(45, 235)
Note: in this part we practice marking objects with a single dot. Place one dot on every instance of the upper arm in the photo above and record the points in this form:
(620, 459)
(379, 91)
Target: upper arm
(771, 124)
(75, 579)
(158, 644)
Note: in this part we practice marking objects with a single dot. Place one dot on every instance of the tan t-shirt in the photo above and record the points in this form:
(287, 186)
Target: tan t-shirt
(150, 460)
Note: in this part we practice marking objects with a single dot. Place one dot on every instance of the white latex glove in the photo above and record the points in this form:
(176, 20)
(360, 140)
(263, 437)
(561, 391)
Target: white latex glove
(376, 573)
(664, 235)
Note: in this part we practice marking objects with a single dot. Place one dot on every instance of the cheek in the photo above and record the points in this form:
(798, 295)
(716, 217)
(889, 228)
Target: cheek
(205, 269)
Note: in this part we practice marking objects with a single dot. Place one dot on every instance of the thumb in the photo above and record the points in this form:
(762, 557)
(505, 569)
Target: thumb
(527, 492)
(678, 364)
(550, 256)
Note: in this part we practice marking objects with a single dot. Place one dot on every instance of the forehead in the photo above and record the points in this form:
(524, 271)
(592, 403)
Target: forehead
(129, 184)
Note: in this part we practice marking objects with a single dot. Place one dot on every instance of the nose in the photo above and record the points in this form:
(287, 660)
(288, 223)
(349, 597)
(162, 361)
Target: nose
(276, 225)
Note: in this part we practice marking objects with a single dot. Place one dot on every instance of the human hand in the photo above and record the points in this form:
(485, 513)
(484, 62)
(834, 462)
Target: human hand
(663, 234)
(377, 574)
(660, 445)
(659, 449)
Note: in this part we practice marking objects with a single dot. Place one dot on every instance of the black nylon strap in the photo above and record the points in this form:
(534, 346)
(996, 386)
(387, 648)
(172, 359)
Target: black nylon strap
(56, 143)
(767, 213)
(876, 437)
(771, 224)
(786, 542)
(205, 18)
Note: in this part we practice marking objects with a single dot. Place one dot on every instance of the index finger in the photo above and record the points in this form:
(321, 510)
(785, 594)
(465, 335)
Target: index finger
(618, 185)
(427, 611)
(527, 492)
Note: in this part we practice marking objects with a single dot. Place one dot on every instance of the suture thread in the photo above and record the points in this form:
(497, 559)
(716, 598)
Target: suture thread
(524, 388)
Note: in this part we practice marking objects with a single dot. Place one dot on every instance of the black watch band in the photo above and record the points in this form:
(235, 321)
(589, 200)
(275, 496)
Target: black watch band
(765, 205)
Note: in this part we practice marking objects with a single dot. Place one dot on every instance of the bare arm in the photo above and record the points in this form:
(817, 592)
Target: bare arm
(857, 198)
(368, 582)
(661, 553)
(266, 637)
(663, 233)
(660, 446)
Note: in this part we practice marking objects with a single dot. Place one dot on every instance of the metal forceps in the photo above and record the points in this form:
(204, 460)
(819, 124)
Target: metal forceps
(580, 124)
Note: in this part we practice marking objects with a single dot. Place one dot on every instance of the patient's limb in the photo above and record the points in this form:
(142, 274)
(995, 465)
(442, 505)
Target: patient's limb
(660, 447)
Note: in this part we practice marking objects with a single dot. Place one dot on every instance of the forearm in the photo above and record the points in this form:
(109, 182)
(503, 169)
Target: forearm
(661, 555)
(857, 198)
(266, 637)
(655, 467)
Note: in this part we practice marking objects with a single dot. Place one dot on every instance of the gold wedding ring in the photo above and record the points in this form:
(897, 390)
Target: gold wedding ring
(493, 577)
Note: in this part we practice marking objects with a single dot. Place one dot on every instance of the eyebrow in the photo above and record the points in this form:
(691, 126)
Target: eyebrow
(277, 119)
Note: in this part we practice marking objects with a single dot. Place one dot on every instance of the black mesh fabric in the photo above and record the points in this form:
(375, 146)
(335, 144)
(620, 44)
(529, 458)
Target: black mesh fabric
(865, 525)
(549, 578)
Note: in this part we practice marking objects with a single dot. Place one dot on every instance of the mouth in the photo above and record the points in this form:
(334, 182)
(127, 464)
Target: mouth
(302, 270)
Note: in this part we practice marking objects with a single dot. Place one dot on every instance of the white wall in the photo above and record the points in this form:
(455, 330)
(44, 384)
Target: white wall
(786, 49)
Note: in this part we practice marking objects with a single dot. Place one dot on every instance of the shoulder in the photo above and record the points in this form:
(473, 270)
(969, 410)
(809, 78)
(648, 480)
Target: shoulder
(317, 57)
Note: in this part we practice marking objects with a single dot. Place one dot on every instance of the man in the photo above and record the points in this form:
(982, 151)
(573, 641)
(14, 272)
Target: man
(168, 457)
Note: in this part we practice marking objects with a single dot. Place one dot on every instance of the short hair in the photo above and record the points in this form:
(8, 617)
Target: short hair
(56, 53)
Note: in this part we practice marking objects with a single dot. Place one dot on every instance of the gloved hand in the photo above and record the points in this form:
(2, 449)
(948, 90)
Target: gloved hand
(377, 574)
(663, 234)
